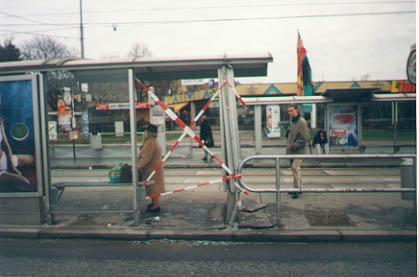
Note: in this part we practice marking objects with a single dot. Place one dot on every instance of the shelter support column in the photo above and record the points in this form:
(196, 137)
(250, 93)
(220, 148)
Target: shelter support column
(193, 111)
(157, 117)
(230, 137)
(313, 116)
(258, 129)
(133, 127)
(395, 119)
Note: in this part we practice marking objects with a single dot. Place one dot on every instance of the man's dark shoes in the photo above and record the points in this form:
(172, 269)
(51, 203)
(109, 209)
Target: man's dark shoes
(294, 194)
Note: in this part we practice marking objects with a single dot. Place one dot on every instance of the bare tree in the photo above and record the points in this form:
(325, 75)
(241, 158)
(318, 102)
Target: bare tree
(42, 48)
(139, 50)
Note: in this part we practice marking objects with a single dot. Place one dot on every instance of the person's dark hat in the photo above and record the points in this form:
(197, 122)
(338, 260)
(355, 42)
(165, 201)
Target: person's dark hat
(144, 123)
(152, 128)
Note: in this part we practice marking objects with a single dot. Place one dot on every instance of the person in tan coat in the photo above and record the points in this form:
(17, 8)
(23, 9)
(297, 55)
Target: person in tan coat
(149, 158)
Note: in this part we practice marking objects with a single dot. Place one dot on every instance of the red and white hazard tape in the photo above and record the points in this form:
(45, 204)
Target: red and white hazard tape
(242, 103)
(188, 131)
(218, 181)
(206, 106)
(191, 133)
(166, 156)
(179, 140)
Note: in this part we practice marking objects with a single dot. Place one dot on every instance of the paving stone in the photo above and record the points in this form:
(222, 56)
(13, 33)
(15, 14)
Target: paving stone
(328, 218)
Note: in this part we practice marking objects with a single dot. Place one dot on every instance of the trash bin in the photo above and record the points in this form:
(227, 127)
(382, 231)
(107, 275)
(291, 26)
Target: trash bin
(96, 144)
(408, 177)
(96, 141)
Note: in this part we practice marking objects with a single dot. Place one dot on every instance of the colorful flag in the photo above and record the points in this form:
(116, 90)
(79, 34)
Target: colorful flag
(304, 84)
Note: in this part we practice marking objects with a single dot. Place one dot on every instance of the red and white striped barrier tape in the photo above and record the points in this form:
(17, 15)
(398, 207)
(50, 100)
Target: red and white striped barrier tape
(242, 103)
(221, 180)
(190, 132)
(179, 140)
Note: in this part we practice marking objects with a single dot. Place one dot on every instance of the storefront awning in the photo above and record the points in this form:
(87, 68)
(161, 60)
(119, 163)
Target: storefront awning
(350, 95)
(177, 107)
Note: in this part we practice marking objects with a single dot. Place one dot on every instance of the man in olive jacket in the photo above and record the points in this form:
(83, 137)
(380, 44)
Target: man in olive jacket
(297, 138)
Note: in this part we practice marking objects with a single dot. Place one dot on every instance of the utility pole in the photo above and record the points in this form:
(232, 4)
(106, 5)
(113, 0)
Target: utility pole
(81, 30)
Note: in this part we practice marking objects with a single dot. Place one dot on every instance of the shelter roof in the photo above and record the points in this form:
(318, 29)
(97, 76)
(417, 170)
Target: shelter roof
(149, 68)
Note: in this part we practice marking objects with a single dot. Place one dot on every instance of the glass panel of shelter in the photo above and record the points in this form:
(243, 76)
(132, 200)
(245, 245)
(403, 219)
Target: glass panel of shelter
(88, 134)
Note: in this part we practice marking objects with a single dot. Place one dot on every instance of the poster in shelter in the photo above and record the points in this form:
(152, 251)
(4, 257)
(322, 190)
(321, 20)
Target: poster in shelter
(343, 126)
(272, 121)
(17, 154)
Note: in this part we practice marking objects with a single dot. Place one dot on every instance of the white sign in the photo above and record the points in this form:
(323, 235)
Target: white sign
(273, 116)
(52, 130)
(191, 82)
(84, 87)
(119, 128)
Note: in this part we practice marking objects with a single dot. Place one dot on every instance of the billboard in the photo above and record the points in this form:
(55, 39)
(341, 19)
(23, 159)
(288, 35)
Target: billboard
(343, 126)
(17, 155)
(273, 118)
(64, 115)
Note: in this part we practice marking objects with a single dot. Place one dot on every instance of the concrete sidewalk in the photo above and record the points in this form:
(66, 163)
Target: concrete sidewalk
(199, 214)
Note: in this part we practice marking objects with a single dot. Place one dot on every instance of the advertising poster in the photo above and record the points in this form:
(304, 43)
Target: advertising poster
(64, 115)
(73, 135)
(272, 121)
(17, 154)
(85, 125)
(52, 130)
(343, 126)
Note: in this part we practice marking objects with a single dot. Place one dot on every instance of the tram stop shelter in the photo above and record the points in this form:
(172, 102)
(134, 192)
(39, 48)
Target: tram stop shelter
(342, 114)
(31, 90)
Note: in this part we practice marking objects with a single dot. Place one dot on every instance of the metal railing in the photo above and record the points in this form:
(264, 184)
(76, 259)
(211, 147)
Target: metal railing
(277, 190)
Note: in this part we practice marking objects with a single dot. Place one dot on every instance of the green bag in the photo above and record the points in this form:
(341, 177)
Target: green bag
(115, 174)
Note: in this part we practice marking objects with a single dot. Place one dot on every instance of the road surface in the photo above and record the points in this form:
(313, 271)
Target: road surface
(180, 258)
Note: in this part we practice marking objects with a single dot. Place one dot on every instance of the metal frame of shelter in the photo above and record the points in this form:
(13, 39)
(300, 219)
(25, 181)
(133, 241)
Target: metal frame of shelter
(225, 67)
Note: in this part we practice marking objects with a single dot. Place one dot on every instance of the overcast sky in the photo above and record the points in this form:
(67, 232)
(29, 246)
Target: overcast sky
(345, 39)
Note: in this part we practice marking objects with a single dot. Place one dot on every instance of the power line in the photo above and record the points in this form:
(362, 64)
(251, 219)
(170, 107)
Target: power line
(37, 34)
(232, 6)
(232, 19)
(27, 19)
(54, 29)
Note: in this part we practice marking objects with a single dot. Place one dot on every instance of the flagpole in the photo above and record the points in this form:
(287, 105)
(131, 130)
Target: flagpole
(301, 84)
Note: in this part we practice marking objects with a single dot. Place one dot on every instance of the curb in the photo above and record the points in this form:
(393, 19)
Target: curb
(210, 235)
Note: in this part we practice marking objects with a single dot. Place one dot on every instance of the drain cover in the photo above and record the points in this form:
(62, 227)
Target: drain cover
(328, 218)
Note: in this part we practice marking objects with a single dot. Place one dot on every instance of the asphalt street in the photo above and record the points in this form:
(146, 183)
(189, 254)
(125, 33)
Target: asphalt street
(203, 258)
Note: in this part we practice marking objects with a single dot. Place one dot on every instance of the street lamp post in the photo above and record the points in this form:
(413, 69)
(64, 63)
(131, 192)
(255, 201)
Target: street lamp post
(81, 30)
